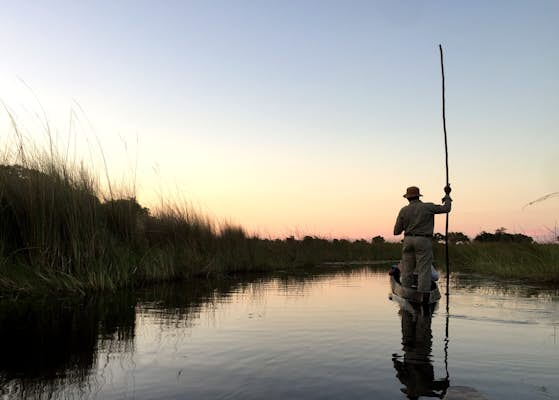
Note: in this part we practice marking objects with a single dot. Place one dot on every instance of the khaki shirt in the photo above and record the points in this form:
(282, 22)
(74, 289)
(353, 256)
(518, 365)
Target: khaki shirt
(418, 218)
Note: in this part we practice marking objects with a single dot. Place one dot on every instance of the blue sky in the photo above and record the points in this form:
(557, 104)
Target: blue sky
(304, 116)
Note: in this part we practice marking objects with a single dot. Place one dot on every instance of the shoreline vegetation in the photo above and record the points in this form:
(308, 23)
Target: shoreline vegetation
(59, 233)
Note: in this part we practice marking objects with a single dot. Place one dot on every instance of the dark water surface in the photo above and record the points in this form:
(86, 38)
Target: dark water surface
(327, 336)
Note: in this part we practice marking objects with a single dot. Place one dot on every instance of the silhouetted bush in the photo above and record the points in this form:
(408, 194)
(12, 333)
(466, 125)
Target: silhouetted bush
(377, 240)
(453, 237)
(501, 236)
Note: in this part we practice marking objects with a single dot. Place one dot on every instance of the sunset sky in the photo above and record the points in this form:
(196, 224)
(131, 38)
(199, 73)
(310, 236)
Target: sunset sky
(298, 117)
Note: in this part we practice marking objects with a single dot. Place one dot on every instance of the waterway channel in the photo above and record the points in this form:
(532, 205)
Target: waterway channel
(330, 335)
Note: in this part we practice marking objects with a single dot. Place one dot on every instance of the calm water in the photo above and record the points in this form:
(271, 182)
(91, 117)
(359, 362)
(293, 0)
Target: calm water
(330, 336)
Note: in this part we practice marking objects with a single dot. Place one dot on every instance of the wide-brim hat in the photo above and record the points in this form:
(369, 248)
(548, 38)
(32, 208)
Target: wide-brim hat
(412, 191)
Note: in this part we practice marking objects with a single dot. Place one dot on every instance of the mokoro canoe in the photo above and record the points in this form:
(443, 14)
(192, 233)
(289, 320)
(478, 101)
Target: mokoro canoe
(413, 295)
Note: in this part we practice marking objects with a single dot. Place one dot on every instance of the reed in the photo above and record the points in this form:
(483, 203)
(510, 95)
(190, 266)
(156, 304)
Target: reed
(534, 262)
(60, 232)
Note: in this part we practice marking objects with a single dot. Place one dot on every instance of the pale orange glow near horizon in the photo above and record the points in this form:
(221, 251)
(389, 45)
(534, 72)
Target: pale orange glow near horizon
(297, 201)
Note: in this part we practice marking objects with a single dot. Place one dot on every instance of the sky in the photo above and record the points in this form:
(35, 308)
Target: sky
(295, 118)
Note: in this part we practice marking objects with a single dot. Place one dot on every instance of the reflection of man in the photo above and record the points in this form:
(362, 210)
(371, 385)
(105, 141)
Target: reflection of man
(417, 221)
(416, 370)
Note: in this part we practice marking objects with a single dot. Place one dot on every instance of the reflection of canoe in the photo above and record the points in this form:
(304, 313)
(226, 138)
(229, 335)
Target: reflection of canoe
(413, 295)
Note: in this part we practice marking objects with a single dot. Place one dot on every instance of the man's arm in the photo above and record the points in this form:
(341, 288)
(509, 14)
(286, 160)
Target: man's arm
(441, 209)
(399, 226)
(447, 203)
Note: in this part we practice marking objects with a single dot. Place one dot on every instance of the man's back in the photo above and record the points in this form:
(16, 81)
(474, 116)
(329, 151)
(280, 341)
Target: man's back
(417, 218)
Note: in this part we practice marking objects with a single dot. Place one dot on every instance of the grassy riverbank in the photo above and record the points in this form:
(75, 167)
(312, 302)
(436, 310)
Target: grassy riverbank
(511, 261)
(58, 232)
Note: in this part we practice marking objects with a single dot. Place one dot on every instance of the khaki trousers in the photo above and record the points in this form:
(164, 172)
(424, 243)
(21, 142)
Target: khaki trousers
(417, 255)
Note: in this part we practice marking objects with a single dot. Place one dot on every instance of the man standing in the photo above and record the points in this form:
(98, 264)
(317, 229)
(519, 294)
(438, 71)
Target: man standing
(417, 221)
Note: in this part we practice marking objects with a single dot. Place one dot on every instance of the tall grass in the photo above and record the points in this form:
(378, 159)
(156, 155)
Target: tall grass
(59, 231)
(535, 262)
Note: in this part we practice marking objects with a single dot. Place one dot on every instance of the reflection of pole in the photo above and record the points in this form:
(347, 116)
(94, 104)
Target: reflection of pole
(446, 340)
(447, 181)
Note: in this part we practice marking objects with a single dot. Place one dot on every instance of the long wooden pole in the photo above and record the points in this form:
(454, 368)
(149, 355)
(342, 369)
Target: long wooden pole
(447, 179)
(446, 342)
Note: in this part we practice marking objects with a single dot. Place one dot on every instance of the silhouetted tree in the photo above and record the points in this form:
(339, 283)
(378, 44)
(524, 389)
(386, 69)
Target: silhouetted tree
(453, 237)
(500, 235)
(457, 237)
(378, 239)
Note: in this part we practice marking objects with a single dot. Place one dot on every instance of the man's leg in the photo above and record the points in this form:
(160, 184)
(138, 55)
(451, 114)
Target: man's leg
(424, 259)
(408, 262)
